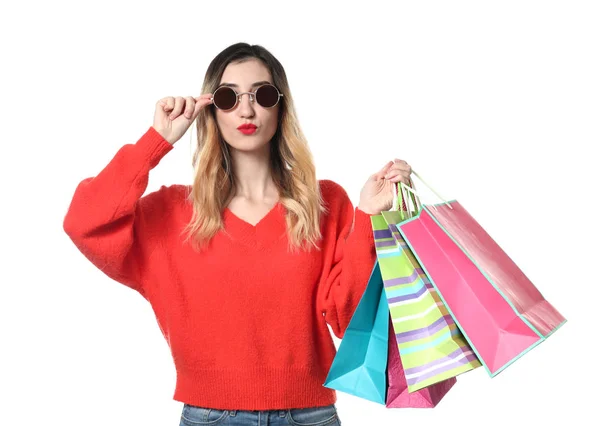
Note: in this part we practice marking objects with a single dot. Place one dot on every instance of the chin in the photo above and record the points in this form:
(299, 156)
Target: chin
(249, 145)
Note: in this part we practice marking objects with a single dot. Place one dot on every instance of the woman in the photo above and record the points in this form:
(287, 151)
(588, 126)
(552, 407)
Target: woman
(246, 268)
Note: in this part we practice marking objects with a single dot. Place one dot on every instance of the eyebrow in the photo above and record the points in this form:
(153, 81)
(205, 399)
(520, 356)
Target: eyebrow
(258, 83)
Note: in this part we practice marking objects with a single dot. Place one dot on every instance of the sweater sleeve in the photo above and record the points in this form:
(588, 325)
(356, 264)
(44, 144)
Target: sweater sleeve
(349, 261)
(108, 221)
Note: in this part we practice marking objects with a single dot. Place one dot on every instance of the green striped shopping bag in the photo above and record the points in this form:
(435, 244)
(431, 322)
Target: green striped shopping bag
(431, 346)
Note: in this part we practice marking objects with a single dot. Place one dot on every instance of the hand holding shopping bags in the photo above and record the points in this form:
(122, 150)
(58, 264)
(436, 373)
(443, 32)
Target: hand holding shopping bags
(455, 301)
(375, 195)
(360, 369)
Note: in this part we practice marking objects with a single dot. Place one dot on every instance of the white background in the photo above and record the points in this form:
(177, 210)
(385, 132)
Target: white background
(495, 104)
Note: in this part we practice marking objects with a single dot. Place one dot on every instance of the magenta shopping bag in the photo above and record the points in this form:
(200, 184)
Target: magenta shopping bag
(499, 310)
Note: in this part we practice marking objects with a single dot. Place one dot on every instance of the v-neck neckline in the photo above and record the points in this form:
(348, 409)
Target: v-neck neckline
(268, 230)
(265, 217)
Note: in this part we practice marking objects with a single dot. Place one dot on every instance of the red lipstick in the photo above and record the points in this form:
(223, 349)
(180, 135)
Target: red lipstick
(247, 129)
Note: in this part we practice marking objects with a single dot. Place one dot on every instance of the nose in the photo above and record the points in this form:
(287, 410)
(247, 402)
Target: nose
(245, 107)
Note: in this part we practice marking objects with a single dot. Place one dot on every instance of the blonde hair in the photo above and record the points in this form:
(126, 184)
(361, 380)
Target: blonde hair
(291, 162)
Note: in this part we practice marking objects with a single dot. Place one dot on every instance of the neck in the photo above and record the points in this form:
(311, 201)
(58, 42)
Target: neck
(253, 178)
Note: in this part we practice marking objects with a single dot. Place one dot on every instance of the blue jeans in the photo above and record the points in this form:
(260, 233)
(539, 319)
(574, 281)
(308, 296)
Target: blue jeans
(316, 416)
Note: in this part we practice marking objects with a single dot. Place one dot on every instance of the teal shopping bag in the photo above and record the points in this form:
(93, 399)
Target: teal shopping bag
(360, 365)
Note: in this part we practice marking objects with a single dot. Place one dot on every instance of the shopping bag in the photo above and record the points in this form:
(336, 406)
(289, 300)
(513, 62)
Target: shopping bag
(398, 395)
(498, 309)
(360, 364)
(366, 372)
(430, 345)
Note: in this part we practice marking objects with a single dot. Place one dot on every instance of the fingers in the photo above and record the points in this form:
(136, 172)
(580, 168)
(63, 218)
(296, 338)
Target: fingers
(207, 96)
(167, 103)
(400, 170)
(201, 102)
(386, 168)
(381, 173)
(189, 106)
(179, 104)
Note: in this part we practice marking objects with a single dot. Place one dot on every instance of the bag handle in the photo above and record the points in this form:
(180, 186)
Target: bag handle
(400, 198)
(444, 200)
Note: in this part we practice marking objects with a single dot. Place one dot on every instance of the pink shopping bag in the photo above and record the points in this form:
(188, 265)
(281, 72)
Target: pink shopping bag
(499, 310)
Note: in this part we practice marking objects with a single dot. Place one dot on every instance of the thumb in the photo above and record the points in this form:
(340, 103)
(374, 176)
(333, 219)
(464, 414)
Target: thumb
(381, 174)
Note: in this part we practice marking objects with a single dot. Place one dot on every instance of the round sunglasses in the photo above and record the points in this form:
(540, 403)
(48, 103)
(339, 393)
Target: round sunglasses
(225, 98)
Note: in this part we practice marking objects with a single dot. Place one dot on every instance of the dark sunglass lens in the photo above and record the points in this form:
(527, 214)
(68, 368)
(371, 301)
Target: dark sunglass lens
(267, 96)
(224, 98)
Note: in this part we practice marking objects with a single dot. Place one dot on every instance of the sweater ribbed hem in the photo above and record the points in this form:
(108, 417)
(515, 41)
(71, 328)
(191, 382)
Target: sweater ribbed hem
(258, 388)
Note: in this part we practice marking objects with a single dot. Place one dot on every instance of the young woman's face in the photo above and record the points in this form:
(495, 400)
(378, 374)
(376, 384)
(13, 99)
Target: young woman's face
(244, 75)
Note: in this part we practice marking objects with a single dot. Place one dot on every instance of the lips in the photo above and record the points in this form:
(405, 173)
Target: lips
(247, 127)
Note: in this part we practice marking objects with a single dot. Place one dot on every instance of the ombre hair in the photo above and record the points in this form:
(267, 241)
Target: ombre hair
(291, 162)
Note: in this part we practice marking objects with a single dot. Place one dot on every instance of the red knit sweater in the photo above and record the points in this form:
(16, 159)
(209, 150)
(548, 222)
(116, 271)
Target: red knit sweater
(246, 321)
